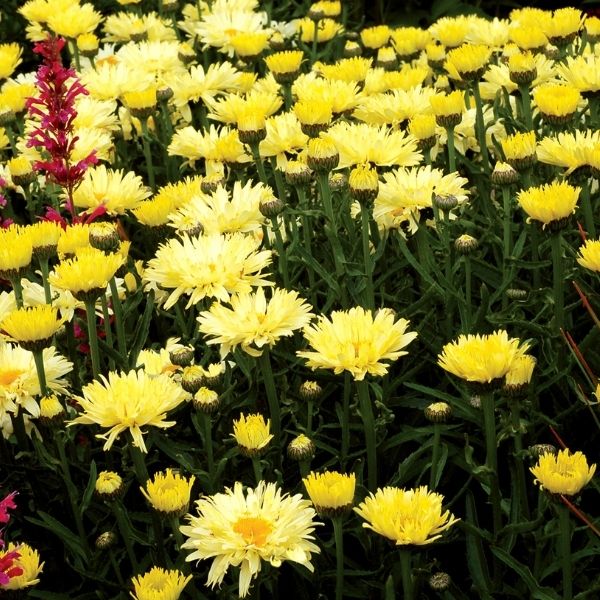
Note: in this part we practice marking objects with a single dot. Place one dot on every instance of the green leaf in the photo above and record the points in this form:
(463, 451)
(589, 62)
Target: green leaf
(142, 329)
(69, 539)
(537, 592)
(475, 555)
(89, 490)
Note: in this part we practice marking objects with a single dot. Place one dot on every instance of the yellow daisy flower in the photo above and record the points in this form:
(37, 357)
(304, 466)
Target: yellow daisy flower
(19, 383)
(243, 529)
(481, 358)
(332, 493)
(169, 493)
(326, 29)
(557, 103)
(108, 484)
(116, 190)
(213, 266)
(32, 327)
(357, 341)
(129, 401)
(28, 561)
(253, 322)
(159, 584)
(10, 59)
(467, 62)
(563, 473)
(549, 203)
(87, 274)
(407, 517)
(74, 20)
(360, 143)
(589, 255)
(15, 251)
(252, 434)
(226, 210)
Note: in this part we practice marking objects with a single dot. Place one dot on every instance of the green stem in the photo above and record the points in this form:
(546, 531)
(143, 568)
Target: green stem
(75, 49)
(588, 212)
(535, 255)
(257, 468)
(558, 282)
(526, 106)
(38, 358)
(272, 395)
(90, 315)
(148, 153)
(369, 298)
(480, 126)
(313, 53)
(71, 489)
(564, 550)
(115, 567)
(338, 533)
(139, 463)
(331, 232)
(521, 482)
(435, 456)
(451, 149)
(107, 328)
(43, 262)
(346, 419)
(309, 416)
(73, 354)
(259, 163)
(307, 242)
(176, 532)
(208, 449)
(407, 580)
(468, 292)
(507, 240)
(119, 320)
(18, 289)
(491, 460)
(283, 266)
(366, 411)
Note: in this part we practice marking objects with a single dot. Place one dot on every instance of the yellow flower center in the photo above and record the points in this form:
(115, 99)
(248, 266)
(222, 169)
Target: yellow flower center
(8, 376)
(254, 530)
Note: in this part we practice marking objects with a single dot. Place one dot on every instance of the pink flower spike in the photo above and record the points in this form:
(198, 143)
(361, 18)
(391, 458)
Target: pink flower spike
(5, 505)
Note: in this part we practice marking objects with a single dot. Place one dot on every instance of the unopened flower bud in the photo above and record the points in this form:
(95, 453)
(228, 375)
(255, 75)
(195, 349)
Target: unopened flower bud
(192, 378)
(301, 448)
(104, 236)
(106, 540)
(271, 207)
(445, 202)
(182, 357)
(440, 582)
(310, 390)
(438, 412)
(538, 450)
(109, 485)
(206, 400)
(466, 244)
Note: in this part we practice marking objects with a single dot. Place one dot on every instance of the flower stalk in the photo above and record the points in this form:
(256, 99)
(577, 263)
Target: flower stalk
(564, 550)
(366, 411)
(338, 534)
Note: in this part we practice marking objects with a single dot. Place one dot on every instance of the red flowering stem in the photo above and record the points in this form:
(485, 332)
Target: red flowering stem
(58, 88)
(581, 516)
(579, 355)
(558, 438)
(587, 305)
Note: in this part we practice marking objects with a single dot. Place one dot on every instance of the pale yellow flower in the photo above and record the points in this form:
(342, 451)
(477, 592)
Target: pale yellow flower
(239, 528)
(253, 322)
(128, 401)
(357, 341)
